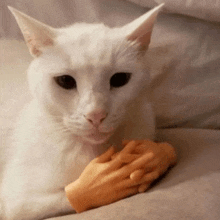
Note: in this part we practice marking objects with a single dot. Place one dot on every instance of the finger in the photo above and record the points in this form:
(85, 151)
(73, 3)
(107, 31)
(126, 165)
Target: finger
(128, 183)
(128, 158)
(120, 159)
(144, 146)
(114, 155)
(105, 157)
(125, 142)
(157, 164)
(143, 187)
(137, 175)
(126, 170)
(150, 177)
(141, 161)
(170, 150)
(147, 141)
(140, 149)
(129, 147)
(125, 158)
(151, 165)
(146, 179)
(122, 156)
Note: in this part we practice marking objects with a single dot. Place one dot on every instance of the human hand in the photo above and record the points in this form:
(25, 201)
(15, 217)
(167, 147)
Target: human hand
(164, 156)
(106, 180)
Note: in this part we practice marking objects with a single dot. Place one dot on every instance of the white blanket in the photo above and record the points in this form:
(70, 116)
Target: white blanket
(204, 9)
(190, 191)
(185, 65)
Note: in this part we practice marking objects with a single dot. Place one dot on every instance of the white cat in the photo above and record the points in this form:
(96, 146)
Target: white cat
(90, 87)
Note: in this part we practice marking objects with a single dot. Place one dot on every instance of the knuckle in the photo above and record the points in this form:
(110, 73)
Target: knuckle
(142, 188)
(153, 155)
(156, 174)
(156, 161)
(122, 158)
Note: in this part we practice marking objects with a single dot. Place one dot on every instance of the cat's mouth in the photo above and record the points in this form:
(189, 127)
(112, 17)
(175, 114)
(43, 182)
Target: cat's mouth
(98, 137)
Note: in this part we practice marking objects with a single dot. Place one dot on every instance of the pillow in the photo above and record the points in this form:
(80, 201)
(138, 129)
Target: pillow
(184, 58)
(206, 9)
(14, 60)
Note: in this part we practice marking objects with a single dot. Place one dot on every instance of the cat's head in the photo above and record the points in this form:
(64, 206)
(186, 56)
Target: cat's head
(87, 75)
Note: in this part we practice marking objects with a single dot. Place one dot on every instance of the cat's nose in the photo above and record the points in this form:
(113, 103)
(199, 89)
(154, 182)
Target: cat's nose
(96, 117)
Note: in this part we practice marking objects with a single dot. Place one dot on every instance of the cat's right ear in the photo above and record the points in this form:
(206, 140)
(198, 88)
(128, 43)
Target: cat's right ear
(38, 36)
(140, 29)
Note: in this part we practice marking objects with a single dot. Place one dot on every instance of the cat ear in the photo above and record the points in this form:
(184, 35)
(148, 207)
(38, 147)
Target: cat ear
(140, 29)
(36, 34)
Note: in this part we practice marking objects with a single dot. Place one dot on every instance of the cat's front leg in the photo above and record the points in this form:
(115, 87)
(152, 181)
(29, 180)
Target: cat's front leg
(36, 206)
(29, 194)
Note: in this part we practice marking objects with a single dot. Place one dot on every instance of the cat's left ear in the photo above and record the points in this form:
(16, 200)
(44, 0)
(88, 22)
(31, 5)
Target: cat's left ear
(140, 29)
(38, 36)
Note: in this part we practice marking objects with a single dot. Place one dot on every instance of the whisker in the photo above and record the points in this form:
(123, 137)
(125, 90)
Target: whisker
(63, 130)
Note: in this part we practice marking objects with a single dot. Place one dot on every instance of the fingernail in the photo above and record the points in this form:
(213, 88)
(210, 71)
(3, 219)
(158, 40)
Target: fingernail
(124, 142)
(143, 188)
(149, 155)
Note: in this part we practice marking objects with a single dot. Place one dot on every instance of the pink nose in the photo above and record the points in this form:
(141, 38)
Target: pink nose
(96, 117)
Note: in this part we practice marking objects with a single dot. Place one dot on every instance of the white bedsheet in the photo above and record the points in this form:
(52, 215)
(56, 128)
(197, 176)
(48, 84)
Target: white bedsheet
(190, 191)
(184, 57)
(185, 66)
(204, 9)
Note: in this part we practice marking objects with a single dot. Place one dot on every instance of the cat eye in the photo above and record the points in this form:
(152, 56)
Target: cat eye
(119, 79)
(66, 81)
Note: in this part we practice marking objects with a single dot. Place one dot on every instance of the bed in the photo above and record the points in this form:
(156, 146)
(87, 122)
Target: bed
(184, 60)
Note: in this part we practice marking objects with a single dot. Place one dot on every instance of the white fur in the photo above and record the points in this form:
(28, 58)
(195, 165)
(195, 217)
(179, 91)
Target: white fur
(53, 141)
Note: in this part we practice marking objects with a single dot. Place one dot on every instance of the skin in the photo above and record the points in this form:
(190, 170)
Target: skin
(164, 156)
(114, 176)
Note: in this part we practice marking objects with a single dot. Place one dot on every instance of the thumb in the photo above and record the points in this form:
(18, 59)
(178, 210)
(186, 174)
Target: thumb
(105, 157)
